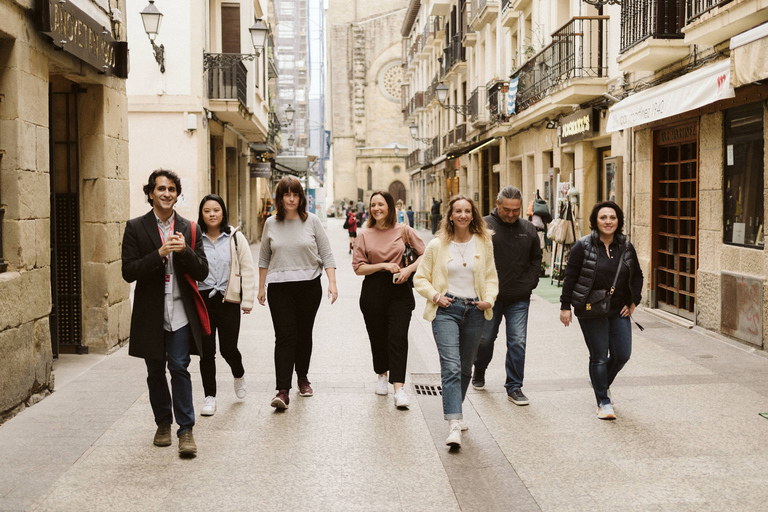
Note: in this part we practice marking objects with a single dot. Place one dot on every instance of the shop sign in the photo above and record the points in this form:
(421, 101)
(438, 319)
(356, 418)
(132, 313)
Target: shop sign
(441, 166)
(260, 169)
(577, 126)
(73, 31)
(677, 134)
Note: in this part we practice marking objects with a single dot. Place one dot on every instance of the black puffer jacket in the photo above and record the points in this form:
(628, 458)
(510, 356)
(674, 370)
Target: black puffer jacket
(589, 268)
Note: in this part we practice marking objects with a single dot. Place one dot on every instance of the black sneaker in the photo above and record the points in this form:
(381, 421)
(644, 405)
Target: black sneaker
(517, 397)
(478, 379)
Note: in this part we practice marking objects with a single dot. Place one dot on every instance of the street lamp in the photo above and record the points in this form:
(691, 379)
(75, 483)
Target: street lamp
(151, 17)
(442, 95)
(259, 33)
(415, 134)
(289, 113)
(291, 138)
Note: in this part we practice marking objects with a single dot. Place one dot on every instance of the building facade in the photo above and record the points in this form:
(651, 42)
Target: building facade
(364, 99)
(203, 112)
(64, 189)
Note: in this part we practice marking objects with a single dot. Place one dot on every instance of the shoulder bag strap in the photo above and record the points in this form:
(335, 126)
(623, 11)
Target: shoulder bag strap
(194, 235)
(616, 277)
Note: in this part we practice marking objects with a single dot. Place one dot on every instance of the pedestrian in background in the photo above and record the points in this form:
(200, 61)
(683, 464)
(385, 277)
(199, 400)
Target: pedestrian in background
(352, 228)
(400, 212)
(517, 252)
(294, 251)
(229, 287)
(435, 214)
(596, 262)
(458, 278)
(386, 299)
(166, 323)
(409, 213)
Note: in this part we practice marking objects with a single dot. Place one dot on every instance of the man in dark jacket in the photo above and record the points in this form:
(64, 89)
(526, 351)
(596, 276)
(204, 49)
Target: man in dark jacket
(435, 213)
(165, 324)
(517, 253)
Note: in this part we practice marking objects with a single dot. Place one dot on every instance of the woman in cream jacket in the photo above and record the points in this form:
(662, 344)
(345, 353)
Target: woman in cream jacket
(458, 278)
(229, 287)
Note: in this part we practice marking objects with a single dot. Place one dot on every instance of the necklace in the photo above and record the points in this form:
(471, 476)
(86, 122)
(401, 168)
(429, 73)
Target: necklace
(461, 253)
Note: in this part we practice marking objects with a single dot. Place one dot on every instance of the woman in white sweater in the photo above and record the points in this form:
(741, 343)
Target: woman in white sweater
(458, 278)
(294, 251)
(229, 287)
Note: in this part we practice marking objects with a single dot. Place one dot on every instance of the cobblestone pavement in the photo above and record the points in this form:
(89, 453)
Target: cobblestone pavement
(688, 434)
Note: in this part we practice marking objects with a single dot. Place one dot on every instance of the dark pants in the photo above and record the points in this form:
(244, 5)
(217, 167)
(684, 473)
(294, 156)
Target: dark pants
(516, 315)
(177, 358)
(609, 341)
(387, 311)
(225, 318)
(435, 221)
(293, 307)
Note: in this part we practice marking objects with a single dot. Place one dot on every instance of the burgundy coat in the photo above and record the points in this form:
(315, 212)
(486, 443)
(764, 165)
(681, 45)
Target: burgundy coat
(142, 263)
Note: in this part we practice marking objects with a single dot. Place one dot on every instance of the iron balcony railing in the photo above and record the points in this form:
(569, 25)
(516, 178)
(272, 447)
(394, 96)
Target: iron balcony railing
(438, 24)
(432, 151)
(505, 6)
(578, 50)
(227, 77)
(431, 92)
(414, 159)
(478, 114)
(454, 53)
(497, 91)
(461, 133)
(478, 6)
(695, 8)
(416, 102)
(643, 19)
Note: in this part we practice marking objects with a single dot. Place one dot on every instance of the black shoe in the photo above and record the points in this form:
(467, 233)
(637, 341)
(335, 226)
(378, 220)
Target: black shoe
(478, 379)
(517, 397)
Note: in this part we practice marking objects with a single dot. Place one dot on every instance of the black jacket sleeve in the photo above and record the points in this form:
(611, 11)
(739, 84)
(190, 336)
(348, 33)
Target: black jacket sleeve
(636, 282)
(572, 271)
(135, 264)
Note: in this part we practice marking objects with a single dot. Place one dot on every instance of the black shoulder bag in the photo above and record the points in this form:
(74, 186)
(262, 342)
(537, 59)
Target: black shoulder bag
(598, 302)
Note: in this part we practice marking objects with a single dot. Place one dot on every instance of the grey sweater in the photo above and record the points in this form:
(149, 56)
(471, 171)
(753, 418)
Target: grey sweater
(288, 245)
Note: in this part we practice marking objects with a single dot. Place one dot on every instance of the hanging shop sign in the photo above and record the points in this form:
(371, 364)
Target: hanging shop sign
(260, 169)
(578, 126)
(689, 92)
(73, 31)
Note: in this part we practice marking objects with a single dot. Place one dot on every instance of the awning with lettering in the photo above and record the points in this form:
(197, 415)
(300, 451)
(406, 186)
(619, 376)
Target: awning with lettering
(688, 92)
(749, 56)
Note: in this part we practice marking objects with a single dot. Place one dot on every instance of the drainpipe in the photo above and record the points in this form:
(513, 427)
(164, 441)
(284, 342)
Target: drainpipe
(3, 263)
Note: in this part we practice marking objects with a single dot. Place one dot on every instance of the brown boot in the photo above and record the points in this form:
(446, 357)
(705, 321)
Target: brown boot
(187, 446)
(163, 435)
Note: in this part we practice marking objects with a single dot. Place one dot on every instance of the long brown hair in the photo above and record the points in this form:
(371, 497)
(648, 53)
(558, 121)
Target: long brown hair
(391, 218)
(476, 226)
(286, 185)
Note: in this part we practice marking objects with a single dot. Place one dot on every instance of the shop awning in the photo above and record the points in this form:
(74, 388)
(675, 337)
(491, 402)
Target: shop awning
(688, 92)
(471, 147)
(749, 56)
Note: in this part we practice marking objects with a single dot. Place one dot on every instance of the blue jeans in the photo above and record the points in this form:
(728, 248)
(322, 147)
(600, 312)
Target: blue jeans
(516, 314)
(457, 329)
(177, 358)
(609, 341)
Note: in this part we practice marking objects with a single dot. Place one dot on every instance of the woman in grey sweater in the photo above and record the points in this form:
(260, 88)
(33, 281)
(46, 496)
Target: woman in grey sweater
(294, 251)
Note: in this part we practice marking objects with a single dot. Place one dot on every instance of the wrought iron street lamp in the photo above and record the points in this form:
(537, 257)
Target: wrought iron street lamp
(151, 17)
(415, 134)
(259, 33)
(442, 95)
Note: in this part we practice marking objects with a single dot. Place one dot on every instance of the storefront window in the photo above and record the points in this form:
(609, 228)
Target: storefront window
(743, 176)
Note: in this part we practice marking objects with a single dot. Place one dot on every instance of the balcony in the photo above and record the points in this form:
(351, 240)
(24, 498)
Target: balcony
(650, 34)
(460, 134)
(508, 15)
(227, 77)
(416, 102)
(497, 101)
(431, 28)
(709, 22)
(414, 159)
(578, 54)
(478, 114)
(432, 151)
(483, 13)
(440, 7)
(431, 93)
(454, 54)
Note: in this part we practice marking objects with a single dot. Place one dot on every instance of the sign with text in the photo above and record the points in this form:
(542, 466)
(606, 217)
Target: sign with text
(73, 31)
(260, 169)
(578, 126)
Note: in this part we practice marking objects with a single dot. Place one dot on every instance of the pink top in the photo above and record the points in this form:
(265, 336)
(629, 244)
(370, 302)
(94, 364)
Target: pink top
(384, 245)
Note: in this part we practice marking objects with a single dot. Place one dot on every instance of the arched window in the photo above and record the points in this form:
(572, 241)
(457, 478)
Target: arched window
(370, 178)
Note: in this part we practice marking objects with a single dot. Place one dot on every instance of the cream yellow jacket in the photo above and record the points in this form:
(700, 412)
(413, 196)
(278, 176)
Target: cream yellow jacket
(240, 270)
(432, 276)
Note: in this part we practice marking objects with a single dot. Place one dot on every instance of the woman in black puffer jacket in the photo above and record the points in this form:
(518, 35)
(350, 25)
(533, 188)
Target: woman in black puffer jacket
(592, 265)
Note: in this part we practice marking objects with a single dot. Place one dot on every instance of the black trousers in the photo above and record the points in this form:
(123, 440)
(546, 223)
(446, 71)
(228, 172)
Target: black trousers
(225, 318)
(293, 307)
(387, 311)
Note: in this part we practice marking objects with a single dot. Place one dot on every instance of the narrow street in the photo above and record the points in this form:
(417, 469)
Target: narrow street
(688, 434)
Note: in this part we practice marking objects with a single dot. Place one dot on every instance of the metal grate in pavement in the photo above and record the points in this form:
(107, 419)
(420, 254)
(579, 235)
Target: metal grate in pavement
(428, 384)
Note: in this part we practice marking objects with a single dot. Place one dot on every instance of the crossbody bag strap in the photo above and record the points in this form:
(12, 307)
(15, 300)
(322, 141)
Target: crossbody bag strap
(194, 235)
(618, 269)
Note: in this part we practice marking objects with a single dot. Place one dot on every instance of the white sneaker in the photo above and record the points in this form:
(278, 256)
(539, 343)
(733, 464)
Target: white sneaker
(605, 412)
(210, 406)
(463, 425)
(401, 399)
(240, 387)
(382, 386)
(454, 436)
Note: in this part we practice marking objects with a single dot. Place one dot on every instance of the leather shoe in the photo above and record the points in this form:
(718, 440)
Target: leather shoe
(163, 435)
(187, 446)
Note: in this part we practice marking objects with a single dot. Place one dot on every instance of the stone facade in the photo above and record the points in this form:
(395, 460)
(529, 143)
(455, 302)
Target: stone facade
(31, 72)
(364, 97)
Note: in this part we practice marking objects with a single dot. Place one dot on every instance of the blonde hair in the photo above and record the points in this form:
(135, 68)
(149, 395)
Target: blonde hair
(477, 226)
